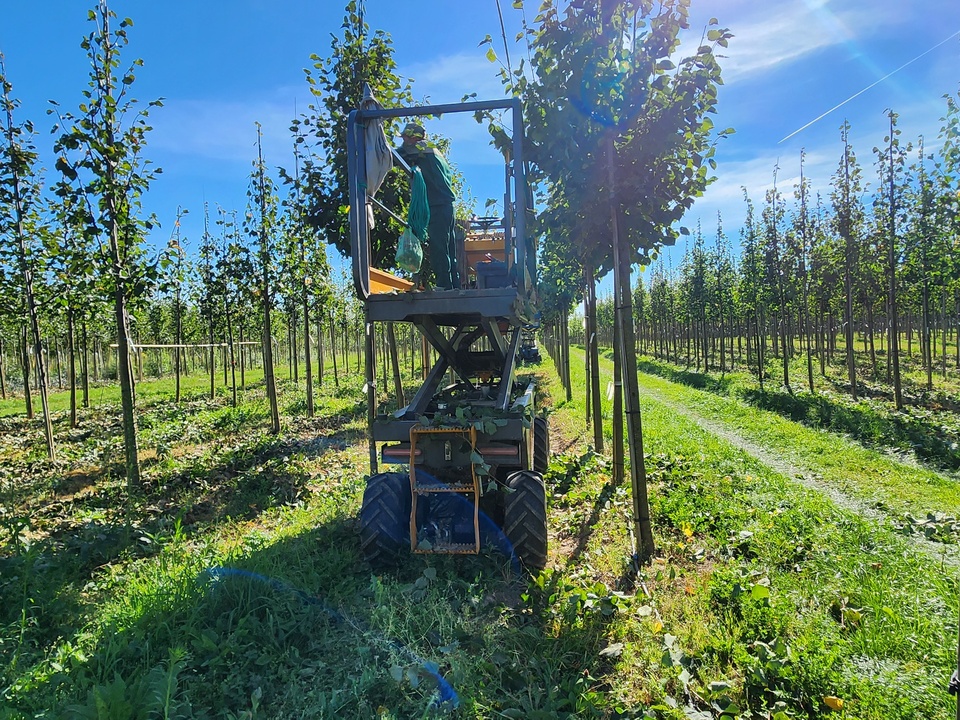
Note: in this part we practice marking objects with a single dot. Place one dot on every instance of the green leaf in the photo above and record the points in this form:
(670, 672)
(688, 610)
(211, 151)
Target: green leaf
(759, 592)
(491, 55)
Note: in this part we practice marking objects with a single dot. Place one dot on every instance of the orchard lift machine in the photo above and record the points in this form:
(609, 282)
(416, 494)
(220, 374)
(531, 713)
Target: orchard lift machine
(474, 447)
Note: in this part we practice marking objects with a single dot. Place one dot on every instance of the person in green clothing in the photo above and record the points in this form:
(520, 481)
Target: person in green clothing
(438, 178)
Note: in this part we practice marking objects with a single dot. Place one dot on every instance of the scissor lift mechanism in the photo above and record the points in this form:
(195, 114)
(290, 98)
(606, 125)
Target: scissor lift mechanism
(447, 502)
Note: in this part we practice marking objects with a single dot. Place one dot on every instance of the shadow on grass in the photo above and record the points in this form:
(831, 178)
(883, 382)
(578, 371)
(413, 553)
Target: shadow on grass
(93, 522)
(303, 627)
(585, 531)
(928, 437)
(700, 381)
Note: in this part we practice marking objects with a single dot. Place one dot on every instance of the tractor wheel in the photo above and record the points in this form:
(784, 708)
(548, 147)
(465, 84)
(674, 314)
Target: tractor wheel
(385, 518)
(525, 518)
(541, 445)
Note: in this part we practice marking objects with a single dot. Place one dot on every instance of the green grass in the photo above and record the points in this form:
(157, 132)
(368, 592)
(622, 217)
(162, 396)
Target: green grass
(192, 386)
(764, 598)
(869, 473)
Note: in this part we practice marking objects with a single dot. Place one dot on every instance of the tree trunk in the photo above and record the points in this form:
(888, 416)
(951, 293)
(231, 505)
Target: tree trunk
(72, 368)
(643, 530)
(618, 456)
(925, 333)
(593, 343)
(228, 316)
(586, 355)
(268, 369)
(294, 355)
(333, 350)
(395, 364)
(84, 362)
(25, 368)
(27, 277)
(211, 353)
(892, 272)
(59, 363)
(3, 372)
(566, 355)
(243, 357)
(307, 359)
(320, 355)
(178, 341)
(943, 327)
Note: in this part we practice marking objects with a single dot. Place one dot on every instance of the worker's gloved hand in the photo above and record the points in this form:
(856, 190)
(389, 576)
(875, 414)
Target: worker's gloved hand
(954, 687)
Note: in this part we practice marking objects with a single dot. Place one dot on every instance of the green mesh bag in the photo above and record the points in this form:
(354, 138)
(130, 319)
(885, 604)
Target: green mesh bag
(418, 215)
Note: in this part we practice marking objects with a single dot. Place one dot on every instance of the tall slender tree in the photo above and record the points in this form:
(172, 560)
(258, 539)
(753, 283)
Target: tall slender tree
(891, 162)
(20, 221)
(606, 108)
(102, 150)
(848, 214)
(337, 80)
(262, 224)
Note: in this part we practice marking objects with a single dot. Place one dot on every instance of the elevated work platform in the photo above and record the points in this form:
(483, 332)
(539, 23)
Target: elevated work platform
(474, 331)
(448, 308)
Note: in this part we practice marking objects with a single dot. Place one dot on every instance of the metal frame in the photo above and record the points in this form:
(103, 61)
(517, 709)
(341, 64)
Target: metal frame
(454, 322)
(515, 198)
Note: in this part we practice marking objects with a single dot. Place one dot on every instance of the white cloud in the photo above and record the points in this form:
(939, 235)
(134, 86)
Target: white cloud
(767, 36)
(225, 131)
(443, 79)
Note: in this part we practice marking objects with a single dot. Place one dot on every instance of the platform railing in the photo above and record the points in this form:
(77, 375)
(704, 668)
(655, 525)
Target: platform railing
(515, 197)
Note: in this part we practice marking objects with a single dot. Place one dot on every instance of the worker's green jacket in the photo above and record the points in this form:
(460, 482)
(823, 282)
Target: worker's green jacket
(436, 173)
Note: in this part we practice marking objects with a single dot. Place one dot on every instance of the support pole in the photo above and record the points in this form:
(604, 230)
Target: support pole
(369, 362)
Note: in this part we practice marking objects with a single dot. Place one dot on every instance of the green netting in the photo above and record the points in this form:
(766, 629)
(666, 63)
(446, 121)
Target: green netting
(418, 216)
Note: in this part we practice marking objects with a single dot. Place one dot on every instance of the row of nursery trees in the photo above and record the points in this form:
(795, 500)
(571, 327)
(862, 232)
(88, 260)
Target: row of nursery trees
(83, 296)
(619, 142)
(855, 275)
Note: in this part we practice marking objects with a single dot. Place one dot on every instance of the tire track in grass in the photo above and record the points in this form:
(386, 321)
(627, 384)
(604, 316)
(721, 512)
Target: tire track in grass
(939, 552)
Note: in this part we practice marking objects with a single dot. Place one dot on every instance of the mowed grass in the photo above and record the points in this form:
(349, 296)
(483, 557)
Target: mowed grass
(888, 478)
(231, 586)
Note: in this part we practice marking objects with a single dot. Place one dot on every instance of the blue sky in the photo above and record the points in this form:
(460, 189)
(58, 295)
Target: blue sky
(222, 66)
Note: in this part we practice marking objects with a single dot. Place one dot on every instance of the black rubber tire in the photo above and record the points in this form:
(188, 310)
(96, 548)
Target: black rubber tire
(541, 445)
(385, 519)
(525, 518)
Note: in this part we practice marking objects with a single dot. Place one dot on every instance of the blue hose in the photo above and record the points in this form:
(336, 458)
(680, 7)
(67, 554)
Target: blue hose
(445, 692)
